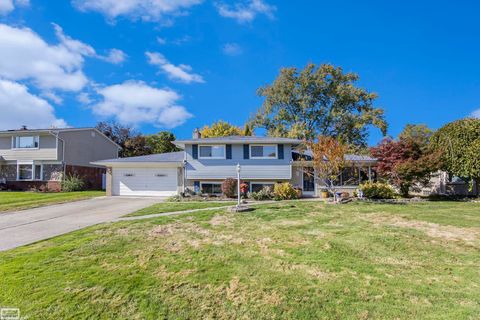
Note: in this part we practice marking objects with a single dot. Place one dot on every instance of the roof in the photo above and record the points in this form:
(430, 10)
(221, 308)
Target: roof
(238, 140)
(159, 157)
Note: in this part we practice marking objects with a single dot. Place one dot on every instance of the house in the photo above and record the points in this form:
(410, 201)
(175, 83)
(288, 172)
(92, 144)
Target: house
(205, 163)
(40, 158)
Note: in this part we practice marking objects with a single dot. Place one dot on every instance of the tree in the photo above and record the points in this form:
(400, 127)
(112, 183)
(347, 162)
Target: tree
(458, 143)
(418, 133)
(318, 101)
(136, 146)
(328, 161)
(220, 129)
(132, 143)
(161, 142)
(405, 162)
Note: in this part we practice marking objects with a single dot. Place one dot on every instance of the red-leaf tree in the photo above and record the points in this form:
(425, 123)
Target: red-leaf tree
(404, 163)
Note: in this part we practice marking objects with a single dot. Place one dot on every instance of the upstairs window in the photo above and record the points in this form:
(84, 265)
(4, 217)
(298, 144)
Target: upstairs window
(25, 142)
(263, 152)
(212, 152)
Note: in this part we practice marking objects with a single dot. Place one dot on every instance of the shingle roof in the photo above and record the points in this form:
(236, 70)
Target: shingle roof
(239, 139)
(159, 157)
(46, 130)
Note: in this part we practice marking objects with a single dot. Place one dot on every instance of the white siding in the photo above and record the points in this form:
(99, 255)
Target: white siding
(47, 149)
(199, 170)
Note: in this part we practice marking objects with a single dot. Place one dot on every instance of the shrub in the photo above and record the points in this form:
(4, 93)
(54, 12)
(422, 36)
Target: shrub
(72, 183)
(264, 194)
(284, 191)
(377, 190)
(243, 189)
(229, 187)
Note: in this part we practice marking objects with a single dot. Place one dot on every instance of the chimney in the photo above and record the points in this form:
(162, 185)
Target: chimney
(196, 134)
(24, 127)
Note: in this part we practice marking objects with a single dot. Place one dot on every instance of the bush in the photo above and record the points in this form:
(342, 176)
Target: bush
(72, 183)
(264, 194)
(229, 187)
(377, 190)
(284, 191)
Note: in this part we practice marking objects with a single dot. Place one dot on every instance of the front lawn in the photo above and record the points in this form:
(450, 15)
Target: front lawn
(178, 206)
(297, 260)
(10, 201)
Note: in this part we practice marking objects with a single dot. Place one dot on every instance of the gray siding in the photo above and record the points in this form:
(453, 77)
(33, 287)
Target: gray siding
(85, 146)
(258, 169)
(47, 149)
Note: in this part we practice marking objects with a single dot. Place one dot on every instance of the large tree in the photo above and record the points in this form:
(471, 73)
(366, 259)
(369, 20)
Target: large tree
(161, 142)
(459, 145)
(417, 133)
(223, 129)
(317, 101)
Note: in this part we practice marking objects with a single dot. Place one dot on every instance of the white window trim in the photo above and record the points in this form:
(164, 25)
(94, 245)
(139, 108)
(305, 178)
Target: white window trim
(260, 182)
(213, 145)
(263, 145)
(14, 143)
(33, 164)
(207, 182)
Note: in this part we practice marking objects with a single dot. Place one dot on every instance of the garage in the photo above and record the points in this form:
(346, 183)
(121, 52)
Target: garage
(156, 175)
(144, 181)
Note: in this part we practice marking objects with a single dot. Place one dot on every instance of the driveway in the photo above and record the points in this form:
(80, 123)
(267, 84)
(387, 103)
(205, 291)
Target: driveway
(27, 226)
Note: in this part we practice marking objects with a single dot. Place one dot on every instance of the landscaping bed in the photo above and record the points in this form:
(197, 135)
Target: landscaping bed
(294, 259)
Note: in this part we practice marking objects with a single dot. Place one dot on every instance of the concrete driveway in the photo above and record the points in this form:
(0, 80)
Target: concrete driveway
(27, 226)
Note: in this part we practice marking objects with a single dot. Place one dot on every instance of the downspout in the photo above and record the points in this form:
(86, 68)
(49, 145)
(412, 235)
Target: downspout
(64, 164)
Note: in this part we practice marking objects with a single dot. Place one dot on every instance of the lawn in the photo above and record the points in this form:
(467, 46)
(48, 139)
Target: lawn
(10, 201)
(179, 206)
(297, 260)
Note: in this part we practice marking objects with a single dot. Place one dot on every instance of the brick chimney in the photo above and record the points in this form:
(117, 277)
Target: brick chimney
(196, 134)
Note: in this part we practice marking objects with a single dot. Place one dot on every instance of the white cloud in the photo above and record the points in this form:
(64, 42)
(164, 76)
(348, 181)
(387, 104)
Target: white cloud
(246, 11)
(19, 107)
(134, 103)
(84, 98)
(161, 41)
(115, 56)
(52, 97)
(146, 10)
(475, 114)
(24, 55)
(181, 72)
(7, 6)
(232, 49)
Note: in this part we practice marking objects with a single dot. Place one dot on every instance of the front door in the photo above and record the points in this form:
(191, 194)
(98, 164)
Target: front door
(308, 181)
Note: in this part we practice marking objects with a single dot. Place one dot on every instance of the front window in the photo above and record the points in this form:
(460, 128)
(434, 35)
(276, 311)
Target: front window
(26, 142)
(263, 152)
(29, 172)
(257, 186)
(211, 188)
(212, 152)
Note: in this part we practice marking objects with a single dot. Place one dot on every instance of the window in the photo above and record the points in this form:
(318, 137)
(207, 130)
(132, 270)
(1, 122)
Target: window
(212, 152)
(257, 186)
(211, 188)
(263, 151)
(25, 142)
(29, 172)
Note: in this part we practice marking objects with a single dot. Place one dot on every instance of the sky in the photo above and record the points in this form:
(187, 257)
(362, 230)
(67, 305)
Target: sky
(177, 65)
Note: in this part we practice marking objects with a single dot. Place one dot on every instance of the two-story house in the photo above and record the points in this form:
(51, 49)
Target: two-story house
(35, 159)
(205, 163)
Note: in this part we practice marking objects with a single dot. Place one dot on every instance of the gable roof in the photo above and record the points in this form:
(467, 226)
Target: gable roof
(237, 140)
(159, 157)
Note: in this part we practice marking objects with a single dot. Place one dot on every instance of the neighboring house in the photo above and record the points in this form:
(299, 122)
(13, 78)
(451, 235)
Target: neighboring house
(206, 163)
(40, 158)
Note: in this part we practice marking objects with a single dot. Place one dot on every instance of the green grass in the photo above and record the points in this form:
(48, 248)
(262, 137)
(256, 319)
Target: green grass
(296, 260)
(178, 206)
(10, 201)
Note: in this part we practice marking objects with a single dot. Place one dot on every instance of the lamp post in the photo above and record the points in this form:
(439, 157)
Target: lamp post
(238, 183)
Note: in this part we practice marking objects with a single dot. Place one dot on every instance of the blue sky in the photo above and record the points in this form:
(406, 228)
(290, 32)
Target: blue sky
(178, 65)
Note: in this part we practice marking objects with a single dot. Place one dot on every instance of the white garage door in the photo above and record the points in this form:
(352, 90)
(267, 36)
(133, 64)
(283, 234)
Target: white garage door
(144, 181)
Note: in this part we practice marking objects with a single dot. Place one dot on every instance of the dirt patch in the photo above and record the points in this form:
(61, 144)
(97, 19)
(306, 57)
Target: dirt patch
(220, 220)
(449, 233)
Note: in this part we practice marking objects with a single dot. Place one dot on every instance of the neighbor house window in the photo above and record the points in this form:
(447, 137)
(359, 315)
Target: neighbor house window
(25, 142)
(257, 186)
(29, 172)
(263, 152)
(212, 152)
(211, 188)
